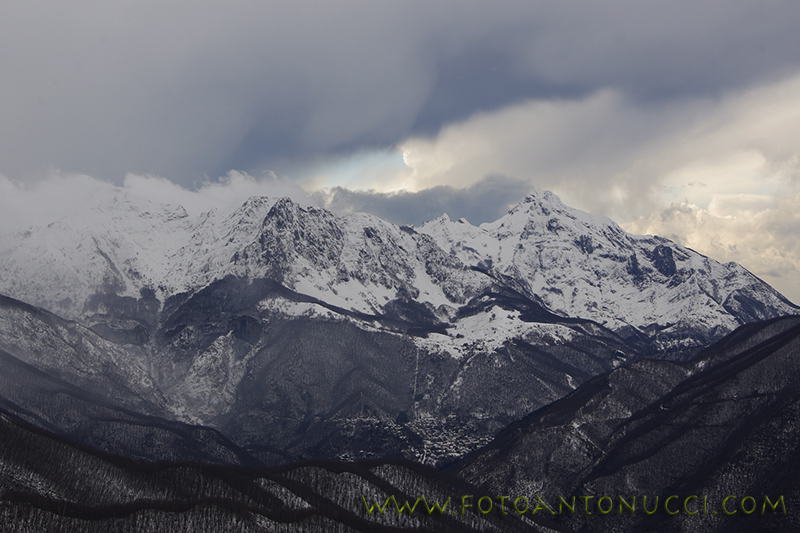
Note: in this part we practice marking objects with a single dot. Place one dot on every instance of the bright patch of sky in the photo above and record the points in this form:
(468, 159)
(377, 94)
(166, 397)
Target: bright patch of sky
(376, 170)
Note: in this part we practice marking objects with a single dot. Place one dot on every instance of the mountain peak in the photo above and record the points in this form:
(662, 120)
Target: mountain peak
(536, 207)
(586, 266)
(541, 196)
(255, 203)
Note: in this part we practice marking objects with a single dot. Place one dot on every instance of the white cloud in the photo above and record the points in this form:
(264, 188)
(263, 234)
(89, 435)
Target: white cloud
(605, 153)
(557, 143)
(23, 205)
(735, 158)
(188, 89)
(760, 232)
(226, 194)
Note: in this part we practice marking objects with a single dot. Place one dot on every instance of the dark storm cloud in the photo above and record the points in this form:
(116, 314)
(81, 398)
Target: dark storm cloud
(483, 78)
(485, 201)
(186, 89)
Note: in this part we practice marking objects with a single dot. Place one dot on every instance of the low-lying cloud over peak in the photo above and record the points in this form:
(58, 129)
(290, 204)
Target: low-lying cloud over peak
(762, 232)
(759, 232)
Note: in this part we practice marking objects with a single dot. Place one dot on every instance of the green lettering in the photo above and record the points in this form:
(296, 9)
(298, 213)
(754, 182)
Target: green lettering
(725, 509)
(666, 505)
(562, 501)
(401, 508)
(436, 506)
(644, 505)
(464, 505)
(686, 507)
(631, 506)
(377, 506)
(541, 505)
(773, 506)
(503, 504)
(586, 503)
(741, 504)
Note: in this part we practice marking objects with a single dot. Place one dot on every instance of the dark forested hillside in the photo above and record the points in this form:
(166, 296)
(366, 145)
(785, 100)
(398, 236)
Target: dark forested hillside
(716, 435)
(51, 484)
(724, 424)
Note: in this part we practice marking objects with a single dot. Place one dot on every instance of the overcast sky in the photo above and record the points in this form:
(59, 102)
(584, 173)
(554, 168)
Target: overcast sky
(677, 118)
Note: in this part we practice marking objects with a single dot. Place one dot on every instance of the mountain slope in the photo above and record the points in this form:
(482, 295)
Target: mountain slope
(300, 333)
(264, 363)
(285, 385)
(723, 424)
(276, 333)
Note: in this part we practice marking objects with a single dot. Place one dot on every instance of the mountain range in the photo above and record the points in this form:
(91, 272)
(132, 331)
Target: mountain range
(574, 264)
(132, 332)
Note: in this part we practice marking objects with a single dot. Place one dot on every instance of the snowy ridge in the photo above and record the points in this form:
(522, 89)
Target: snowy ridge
(119, 245)
(573, 263)
(358, 262)
(582, 265)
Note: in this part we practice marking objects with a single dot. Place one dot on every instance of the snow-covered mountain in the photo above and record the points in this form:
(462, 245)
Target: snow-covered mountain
(116, 246)
(124, 251)
(583, 265)
(297, 332)
(122, 246)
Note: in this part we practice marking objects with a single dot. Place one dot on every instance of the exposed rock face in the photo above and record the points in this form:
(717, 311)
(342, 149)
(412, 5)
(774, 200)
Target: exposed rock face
(581, 265)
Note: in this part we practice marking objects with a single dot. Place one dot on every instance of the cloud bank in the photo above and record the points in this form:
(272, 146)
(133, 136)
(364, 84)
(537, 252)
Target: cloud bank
(483, 201)
(61, 195)
(759, 232)
(606, 153)
(192, 90)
